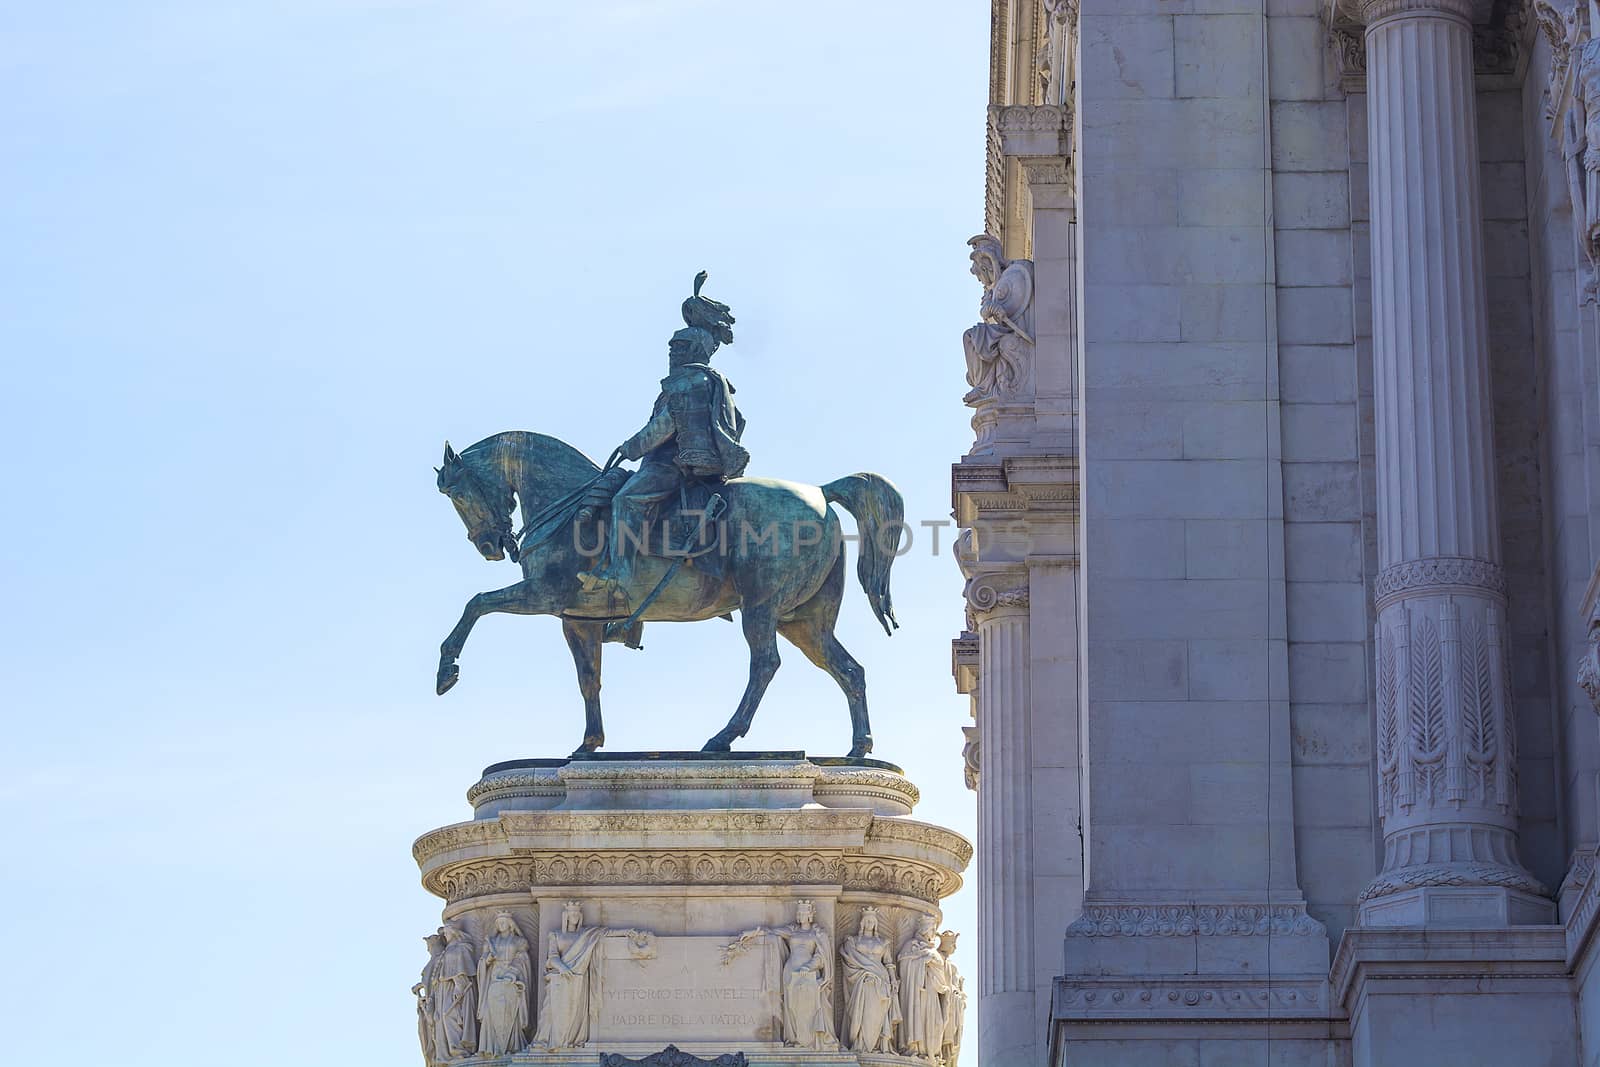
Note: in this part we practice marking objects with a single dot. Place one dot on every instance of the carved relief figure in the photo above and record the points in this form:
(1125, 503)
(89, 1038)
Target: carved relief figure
(871, 988)
(427, 1022)
(1000, 348)
(505, 975)
(454, 997)
(564, 1007)
(955, 1001)
(807, 982)
(923, 986)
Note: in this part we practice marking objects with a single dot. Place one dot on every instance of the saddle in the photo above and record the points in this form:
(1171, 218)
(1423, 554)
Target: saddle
(682, 527)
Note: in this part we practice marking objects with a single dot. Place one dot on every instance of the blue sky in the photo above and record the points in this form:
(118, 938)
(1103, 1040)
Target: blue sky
(257, 262)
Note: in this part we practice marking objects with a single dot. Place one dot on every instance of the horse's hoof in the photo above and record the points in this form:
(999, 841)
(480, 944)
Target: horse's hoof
(590, 744)
(449, 675)
(860, 749)
(723, 742)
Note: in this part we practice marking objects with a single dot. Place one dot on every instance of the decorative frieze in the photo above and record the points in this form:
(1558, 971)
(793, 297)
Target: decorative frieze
(1197, 998)
(1196, 920)
(1435, 575)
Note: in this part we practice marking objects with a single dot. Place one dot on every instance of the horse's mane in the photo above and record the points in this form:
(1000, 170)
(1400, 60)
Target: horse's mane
(548, 465)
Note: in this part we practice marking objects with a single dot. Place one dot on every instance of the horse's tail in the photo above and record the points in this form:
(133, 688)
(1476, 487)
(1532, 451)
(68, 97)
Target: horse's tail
(879, 512)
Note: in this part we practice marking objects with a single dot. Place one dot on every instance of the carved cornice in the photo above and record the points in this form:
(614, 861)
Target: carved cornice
(1195, 920)
(1437, 575)
(541, 783)
(924, 835)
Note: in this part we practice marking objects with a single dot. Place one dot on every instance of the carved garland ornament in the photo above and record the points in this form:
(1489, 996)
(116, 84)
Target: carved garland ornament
(1451, 874)
(1190, 920)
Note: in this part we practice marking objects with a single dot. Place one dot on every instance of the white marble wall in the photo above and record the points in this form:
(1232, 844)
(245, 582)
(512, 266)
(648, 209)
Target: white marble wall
(1192, 797)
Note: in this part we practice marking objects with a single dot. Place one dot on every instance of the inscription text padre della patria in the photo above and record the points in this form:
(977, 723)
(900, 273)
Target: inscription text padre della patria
(688, 990)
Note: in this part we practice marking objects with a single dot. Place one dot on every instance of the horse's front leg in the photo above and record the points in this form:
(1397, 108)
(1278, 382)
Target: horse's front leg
(519, 599)
(586, 639)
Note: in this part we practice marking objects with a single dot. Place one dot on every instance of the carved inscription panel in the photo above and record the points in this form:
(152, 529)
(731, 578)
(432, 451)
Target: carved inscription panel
(685, 992)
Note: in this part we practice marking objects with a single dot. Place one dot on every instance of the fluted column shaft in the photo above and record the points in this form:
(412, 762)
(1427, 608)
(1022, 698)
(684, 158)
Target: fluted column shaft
(1446, 742)
(1006, 1022)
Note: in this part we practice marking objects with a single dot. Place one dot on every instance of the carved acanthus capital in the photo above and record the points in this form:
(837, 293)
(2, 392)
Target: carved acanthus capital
(1032, 131)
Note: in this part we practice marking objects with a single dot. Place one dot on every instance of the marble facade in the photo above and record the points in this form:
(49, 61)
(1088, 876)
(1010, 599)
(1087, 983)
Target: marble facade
(1283, 607)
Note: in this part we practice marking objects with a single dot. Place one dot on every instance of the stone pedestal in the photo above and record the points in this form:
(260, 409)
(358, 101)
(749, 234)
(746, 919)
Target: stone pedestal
(672, 894)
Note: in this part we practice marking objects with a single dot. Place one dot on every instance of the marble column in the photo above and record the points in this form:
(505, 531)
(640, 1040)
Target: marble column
(1446, 747)
(1008, 1029)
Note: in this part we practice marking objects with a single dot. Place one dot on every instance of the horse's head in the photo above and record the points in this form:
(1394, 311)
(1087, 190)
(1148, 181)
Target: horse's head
(484, 503)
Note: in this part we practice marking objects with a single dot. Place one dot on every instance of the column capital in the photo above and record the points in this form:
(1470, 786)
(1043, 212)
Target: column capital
(1372, 12)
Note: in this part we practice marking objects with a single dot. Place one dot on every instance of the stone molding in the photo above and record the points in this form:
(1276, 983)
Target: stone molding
(856, 780)
(516, 783)
(1451, 875)
(1435, 575)
(1442, 954)
(1082, 998)
(1195, 920)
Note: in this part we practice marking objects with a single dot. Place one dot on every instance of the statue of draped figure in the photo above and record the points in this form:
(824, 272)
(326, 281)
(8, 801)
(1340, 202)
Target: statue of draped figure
(505, 976)
(871, 988)
(923, 985)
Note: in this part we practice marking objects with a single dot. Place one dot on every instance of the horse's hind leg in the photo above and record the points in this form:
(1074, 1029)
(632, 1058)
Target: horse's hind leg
(761, 633)
(585, 639)
(815, 638)
(811, 631)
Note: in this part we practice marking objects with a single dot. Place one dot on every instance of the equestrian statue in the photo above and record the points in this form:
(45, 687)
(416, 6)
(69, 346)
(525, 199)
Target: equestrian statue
(685, 537)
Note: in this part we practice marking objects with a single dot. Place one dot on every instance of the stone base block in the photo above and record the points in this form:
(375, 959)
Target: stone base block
(622, 903)
(1457, 998)
(1467, 907)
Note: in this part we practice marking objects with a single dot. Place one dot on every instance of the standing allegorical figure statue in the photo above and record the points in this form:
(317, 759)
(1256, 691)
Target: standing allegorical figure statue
(955, 1001)
(923, 985)
(455, 1004)
(807, 982)
(693, 433)
(566, 1003)
(871, 987)
(505, 977)
(1000, 348)
(427, 1022)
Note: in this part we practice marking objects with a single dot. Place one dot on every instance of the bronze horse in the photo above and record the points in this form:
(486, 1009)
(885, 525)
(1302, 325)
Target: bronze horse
(783, 569)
